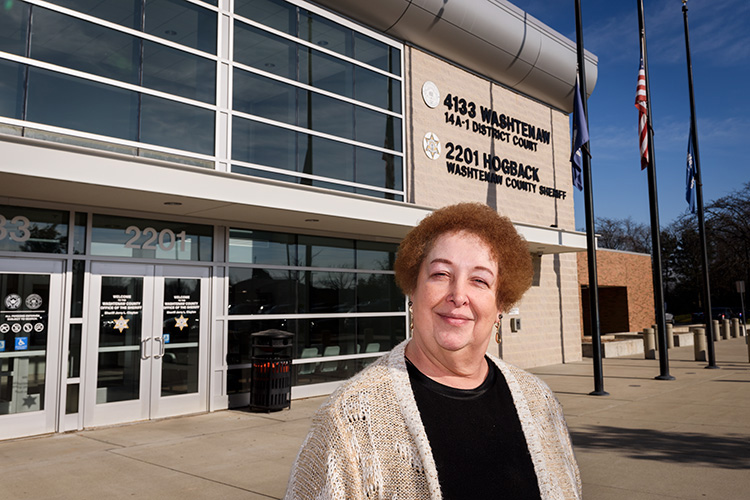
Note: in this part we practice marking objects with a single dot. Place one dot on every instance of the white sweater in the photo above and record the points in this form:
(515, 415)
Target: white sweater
(367, 440)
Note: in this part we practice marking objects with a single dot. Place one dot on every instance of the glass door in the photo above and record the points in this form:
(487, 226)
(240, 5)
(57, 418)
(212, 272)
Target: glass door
(147, 345)
(30, 327)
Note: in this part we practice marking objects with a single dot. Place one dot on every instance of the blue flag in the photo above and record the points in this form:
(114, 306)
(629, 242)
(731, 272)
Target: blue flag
(580, 137)
(690, 175)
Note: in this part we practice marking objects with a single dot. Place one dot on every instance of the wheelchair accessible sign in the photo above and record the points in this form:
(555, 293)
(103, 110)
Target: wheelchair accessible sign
(22, 343)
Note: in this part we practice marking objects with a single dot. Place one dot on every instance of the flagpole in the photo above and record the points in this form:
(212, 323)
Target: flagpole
(661, 322)
(699, 198)
(596, 340)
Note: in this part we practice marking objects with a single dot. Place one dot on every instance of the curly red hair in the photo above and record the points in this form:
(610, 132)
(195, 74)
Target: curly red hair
(507, 247)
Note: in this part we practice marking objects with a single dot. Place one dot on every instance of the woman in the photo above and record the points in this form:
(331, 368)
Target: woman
(438, 417)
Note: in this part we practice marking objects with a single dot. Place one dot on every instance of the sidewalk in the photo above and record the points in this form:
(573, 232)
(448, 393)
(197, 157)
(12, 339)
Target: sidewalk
(650, 439)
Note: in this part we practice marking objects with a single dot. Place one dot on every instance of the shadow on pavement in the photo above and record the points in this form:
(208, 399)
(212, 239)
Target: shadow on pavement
(685, 448)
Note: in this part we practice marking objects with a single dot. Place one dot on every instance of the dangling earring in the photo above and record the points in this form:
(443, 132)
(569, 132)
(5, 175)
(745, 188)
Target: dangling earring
(411, 319)
(497, 329)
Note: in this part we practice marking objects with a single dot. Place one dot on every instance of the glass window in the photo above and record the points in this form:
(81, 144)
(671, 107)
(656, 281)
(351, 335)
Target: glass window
(318, 251)
(71, 398)
(377, 89)
(276, 14)
(123, 12)
(73, 43)
(74, 351)
(120, 327)
(262, 291)
(325, 33)
(378, 293)
(11, 89)
(261, 96)
(378, 54)
(88, 106)
(375, 255)
(377, 129)
(325, 157)
(177, 72)
(14, 25)
(379, 169)
(23, 341)
(150, 239)
(265, 51)
(182, 22)
(79, 233)
(326, 72)
(262, 247)
(177, 125)
(76, 299)
(263, 144)
(380, 334)
(24, 229)
(328, 292)
(329, 115)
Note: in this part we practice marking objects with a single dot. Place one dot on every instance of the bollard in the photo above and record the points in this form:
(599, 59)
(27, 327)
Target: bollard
(670, 335)
(649, 344)
(725, 329)
(699, 343)
(716, 330)
(735, 327)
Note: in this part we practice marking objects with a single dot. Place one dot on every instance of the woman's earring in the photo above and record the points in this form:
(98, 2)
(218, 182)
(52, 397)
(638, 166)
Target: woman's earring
(411, 319)
(497, 329)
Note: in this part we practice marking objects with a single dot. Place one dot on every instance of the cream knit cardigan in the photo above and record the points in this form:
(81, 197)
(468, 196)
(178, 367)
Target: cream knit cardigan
(367, 440)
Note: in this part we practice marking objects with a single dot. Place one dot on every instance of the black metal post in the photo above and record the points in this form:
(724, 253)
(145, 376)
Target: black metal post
(661, 322)
(596, 340)
(699, 199)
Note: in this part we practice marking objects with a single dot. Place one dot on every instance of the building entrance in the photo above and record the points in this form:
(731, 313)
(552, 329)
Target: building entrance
(30, 326)
(147, 353)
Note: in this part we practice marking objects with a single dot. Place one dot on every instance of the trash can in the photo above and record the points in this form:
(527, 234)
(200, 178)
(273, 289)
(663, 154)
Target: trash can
(271, 375)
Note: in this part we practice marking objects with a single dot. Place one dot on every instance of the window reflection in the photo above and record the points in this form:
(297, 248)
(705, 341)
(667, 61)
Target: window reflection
(28, 229)
(88, 106)
(123, 12)
(182, 22)
(274, 13)
(194, 133)
(267, 52)
(262, 291)
(77, 44)
(14, 24)
(11, 89)
(179, 73)
(318, 251)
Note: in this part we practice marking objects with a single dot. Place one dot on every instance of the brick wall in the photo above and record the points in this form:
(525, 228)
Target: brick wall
(626, 292)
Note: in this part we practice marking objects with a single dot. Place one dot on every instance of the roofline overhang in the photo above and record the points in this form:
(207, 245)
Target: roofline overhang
(33, 170)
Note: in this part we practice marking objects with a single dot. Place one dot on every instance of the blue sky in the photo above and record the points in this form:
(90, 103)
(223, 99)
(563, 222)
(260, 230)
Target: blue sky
(720, 52)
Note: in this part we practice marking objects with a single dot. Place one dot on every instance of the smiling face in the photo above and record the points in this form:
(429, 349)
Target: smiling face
(454, 302)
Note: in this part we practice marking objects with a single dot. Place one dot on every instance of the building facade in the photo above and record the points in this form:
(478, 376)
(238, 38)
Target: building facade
(179, 174)
(626, 291)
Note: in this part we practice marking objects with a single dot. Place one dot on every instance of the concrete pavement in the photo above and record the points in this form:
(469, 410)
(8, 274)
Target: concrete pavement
(650, 439)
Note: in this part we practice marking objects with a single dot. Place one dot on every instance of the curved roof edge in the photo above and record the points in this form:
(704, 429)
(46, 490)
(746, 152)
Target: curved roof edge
(491, 37)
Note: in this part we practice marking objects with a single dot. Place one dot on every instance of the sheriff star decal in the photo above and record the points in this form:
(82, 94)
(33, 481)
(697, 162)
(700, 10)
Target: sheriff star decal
(181, 322)
(121, 324)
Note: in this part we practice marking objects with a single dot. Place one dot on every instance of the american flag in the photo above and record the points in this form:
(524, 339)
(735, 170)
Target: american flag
(641, 102)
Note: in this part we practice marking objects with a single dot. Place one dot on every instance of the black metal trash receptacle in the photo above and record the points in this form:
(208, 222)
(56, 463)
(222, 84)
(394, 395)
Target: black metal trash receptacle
(271, 375)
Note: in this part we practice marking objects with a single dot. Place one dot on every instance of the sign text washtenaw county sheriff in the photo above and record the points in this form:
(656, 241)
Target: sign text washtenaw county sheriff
(466, 163)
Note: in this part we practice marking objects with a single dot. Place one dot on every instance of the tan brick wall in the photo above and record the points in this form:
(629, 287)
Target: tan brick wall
(429, 183)
(550, 318)
(622, 269)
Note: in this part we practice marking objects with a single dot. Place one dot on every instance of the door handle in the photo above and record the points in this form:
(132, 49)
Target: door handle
(143, 348)
(161, 347)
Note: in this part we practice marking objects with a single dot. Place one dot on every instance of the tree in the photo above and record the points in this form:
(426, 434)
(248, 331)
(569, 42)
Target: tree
(623, 234)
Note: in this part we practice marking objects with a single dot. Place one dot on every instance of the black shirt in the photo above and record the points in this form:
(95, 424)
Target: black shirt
(476, 438)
